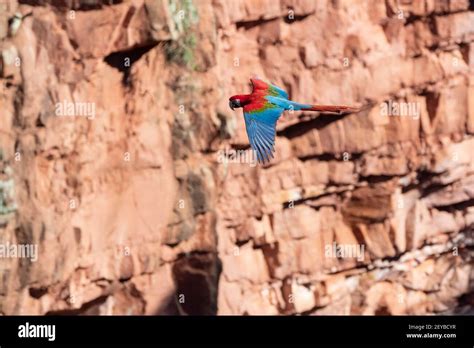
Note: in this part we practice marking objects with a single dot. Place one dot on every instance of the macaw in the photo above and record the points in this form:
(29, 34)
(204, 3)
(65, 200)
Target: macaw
(263, 107)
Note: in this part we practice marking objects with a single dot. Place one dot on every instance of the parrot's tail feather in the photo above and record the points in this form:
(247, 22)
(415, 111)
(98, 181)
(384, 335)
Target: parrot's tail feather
(340, 109)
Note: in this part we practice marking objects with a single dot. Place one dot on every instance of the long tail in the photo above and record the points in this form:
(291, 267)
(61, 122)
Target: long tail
(340, 109)
(292, 105)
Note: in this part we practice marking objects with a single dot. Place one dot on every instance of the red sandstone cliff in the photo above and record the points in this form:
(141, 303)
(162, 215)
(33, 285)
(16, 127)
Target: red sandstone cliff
(140, 209)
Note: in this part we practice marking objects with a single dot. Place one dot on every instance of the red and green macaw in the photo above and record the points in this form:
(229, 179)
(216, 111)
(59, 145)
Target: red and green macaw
(263, 107)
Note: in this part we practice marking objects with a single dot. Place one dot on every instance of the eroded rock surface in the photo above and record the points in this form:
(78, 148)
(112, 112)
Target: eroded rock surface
(145, 203)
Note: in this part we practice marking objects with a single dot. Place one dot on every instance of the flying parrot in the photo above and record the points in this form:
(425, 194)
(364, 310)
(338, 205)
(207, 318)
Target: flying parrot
(262, 109)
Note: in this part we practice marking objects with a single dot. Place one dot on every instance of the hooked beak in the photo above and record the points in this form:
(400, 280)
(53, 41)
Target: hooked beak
(231, 105)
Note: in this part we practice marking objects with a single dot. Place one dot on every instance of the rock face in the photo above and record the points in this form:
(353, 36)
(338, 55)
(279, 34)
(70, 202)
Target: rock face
(121, 162)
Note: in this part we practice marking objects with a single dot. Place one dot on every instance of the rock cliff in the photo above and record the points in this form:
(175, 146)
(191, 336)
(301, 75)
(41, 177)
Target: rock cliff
(122, 162)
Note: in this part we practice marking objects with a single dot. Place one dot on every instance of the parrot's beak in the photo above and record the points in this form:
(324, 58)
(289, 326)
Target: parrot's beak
(231, 105)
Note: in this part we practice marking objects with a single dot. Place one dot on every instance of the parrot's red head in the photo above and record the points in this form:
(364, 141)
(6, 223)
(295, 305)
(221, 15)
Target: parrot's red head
(239, 101)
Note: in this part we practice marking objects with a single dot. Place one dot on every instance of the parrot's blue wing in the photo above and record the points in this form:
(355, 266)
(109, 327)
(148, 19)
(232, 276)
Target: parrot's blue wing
(279, 91)
(261, 128)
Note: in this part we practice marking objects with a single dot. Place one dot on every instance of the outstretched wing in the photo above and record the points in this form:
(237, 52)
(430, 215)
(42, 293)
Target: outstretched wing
(260, 125)
(268, 89)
